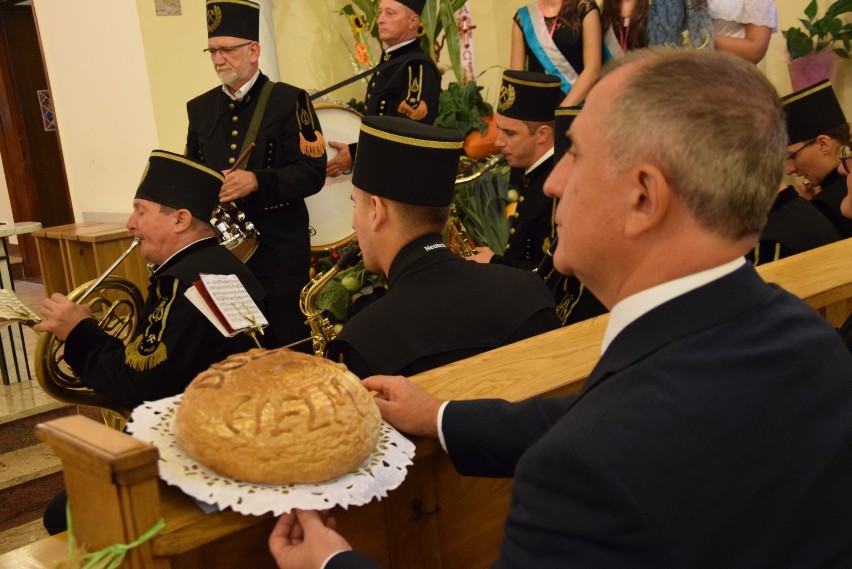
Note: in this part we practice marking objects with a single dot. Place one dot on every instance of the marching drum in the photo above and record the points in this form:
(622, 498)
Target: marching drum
(330, 210)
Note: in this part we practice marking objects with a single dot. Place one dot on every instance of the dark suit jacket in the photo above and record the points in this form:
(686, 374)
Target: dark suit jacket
(716, 431)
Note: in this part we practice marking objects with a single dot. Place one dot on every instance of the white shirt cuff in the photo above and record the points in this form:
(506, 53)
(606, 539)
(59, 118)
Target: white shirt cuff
(441, 425)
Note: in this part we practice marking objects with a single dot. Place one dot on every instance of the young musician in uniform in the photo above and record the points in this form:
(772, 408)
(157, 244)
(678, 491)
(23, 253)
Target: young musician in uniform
(524, 123)
(287, 165)
(438, 308)
(409, 89)
(817, 127)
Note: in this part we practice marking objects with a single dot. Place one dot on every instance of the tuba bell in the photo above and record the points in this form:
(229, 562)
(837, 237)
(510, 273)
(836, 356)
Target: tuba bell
(116, 303)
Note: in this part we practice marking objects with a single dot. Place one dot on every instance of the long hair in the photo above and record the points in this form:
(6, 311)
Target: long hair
(637, 33)
(569, 16)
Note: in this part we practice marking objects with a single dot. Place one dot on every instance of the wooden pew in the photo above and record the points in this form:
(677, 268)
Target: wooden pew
(436, 519)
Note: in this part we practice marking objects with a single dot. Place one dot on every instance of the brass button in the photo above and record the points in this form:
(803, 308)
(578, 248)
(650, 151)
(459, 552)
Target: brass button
(235, 118)
(231, 106)
(521, 199)
(234, 132)
(231, 160)
(233, 146)
(516, 214)
(512, 231)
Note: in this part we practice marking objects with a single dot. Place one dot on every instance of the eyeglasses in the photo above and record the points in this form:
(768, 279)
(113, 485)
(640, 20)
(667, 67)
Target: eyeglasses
(846, 158)
(224, 50)
(793, 155)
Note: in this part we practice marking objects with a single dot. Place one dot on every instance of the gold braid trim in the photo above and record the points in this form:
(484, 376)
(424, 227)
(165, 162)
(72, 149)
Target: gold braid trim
(154, 352)
(313, 149)
(567, 304)
(417, 114)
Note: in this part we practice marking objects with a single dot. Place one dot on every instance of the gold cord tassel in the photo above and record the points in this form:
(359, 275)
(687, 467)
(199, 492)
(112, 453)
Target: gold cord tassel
(137, 361)
(313, 149)
(417, 114)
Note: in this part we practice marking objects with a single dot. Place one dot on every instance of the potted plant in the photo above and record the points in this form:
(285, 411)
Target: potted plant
(815, 46)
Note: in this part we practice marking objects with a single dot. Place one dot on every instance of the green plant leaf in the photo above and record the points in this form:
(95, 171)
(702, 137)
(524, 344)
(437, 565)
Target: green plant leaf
(334, 298)
(451, 32)
(798, 42)
(838, 8)
(811, 10)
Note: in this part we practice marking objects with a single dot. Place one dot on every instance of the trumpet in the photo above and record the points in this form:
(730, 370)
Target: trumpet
(118, 302)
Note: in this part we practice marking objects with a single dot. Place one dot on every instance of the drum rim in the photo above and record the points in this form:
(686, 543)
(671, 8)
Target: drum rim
(348, 239)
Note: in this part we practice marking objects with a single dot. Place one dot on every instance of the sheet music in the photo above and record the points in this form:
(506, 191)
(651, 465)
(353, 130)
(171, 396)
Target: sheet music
(233, 301)
(12, 309)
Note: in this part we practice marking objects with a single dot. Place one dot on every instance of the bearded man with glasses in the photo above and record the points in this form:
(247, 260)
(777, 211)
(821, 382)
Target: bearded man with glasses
(817, 129)
(287, 165)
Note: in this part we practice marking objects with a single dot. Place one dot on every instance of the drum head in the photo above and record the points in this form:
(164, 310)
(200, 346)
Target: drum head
(330, 210)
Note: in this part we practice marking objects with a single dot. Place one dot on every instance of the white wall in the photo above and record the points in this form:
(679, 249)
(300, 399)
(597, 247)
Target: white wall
(96, 70)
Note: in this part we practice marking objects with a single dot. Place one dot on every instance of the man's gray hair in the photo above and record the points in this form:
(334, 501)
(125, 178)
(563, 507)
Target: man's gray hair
(712, 123)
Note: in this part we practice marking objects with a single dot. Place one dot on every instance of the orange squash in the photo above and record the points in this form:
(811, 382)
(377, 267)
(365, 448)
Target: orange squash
(479, 147)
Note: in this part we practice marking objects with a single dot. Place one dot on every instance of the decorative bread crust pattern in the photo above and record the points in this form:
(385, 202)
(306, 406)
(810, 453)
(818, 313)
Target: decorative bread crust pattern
(278, 417)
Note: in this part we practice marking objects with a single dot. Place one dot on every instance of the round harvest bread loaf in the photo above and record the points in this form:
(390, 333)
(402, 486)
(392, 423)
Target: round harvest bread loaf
(278, 417)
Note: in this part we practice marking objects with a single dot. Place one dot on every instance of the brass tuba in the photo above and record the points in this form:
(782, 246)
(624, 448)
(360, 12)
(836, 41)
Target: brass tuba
(116, 303)
(322, 332)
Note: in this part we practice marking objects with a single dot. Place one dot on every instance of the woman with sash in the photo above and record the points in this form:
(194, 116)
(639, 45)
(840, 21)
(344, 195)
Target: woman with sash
(561, 38)
(633, 24)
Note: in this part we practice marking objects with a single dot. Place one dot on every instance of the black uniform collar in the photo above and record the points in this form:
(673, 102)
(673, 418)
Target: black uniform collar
(431, 244)
(406, 49)
(525, 180)
(176, 257)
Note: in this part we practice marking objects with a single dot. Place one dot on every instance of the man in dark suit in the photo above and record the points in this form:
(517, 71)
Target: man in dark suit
(438, 308)
(817, 127)
(524, 124)
(715, 431)
(287, 165)
(410, 88)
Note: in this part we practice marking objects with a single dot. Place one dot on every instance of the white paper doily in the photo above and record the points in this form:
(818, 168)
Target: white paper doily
(383, 470)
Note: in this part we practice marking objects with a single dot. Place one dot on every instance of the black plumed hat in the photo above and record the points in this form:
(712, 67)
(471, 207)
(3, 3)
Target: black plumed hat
(529, 96)
(811, 112)
(415, 5)
(233, 18)
(407, 161)
(176, 181)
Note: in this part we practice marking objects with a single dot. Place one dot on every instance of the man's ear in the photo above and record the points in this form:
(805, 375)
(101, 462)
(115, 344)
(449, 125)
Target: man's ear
(183, 219)
(378, 212)
(544, 135)
(825, 144)
(649, 195)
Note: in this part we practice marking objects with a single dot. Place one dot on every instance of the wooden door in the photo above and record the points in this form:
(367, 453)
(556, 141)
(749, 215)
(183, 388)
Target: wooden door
(29, 144)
